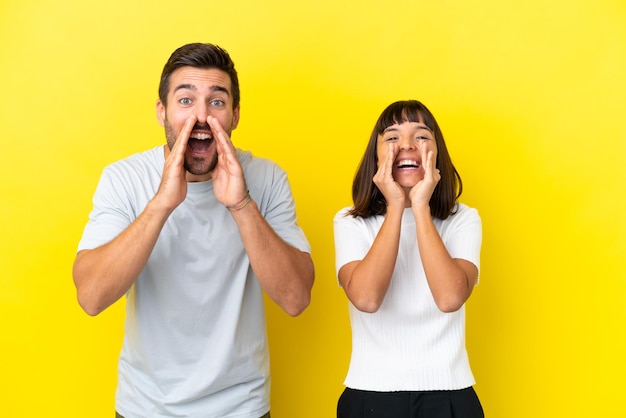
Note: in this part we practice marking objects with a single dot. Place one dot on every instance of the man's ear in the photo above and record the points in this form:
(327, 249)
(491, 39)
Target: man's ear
(236, 117)
(160, 112)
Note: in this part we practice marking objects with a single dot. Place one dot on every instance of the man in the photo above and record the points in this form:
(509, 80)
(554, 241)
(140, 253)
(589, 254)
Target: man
(192, 233)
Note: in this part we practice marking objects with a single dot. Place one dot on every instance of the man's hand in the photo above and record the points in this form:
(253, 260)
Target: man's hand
(229, 183)
(173, 188)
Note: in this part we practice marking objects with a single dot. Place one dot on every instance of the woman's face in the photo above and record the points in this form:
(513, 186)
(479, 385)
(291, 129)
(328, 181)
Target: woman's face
(410, 142)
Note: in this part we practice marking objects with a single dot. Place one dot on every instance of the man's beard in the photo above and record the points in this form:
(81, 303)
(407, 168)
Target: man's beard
(196, 166)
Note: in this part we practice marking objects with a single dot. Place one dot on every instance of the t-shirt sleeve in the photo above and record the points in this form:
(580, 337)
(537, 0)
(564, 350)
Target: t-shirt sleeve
(109, 215)
(279, 209)
(351, 240)
(463, 236)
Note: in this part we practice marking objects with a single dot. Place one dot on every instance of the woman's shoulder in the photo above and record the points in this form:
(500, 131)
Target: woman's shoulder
(343, 212)
(344, 217)
(462, 213)
(462, 208)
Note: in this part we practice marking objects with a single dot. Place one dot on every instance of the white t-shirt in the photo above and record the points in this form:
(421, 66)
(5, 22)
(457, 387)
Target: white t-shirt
(195, 338)
(408, 344)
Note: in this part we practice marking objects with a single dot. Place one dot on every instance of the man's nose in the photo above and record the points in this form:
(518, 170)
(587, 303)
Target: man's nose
(202, 112)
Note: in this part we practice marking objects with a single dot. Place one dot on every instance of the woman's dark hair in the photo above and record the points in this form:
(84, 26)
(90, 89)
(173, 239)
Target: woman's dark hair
(369, 200)
(200, 56)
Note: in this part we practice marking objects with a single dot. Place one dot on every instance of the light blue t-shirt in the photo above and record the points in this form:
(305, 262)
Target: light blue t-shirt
(195, 338)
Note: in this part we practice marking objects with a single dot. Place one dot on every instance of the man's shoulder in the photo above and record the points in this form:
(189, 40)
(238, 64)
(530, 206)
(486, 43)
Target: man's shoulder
(251, 161)
(153, 157)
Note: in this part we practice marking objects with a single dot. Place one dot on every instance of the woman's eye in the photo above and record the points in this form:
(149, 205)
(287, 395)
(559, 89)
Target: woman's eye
(422, 138)
(391, 138)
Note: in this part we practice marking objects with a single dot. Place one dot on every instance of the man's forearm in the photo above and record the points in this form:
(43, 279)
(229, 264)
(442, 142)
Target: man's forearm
(104, 274)
(285, 273)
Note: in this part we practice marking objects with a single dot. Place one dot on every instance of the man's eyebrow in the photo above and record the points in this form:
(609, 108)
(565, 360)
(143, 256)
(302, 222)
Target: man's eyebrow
(216, 88)
(220, 89)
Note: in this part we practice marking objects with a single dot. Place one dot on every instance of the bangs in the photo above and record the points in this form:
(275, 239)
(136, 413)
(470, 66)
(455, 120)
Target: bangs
(404, 111)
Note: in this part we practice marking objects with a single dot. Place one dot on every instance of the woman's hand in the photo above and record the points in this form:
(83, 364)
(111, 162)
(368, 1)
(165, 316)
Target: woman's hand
(421, 193)
(383, 179)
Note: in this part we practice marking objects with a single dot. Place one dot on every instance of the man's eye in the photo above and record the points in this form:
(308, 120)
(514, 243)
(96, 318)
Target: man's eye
(185, 101)
(217, 102)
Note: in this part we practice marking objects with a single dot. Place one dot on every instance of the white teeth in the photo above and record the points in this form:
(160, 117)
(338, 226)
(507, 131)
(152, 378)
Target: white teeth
(201, 137)
(405, 163)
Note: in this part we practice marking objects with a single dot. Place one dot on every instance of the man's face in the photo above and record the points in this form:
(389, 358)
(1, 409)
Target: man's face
(203, 93)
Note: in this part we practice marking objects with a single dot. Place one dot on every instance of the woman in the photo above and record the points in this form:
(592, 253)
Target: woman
(407, 257)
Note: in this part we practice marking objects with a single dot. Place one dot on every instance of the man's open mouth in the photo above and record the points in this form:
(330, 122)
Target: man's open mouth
(200, 141)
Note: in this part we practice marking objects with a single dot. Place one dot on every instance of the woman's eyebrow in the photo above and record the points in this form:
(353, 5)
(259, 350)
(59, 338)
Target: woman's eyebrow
(394, 128)
(390, 129)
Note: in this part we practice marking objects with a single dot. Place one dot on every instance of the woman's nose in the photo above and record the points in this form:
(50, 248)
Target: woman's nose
(407, 143)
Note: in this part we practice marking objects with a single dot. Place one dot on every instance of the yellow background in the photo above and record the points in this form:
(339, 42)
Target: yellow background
(530, 95)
